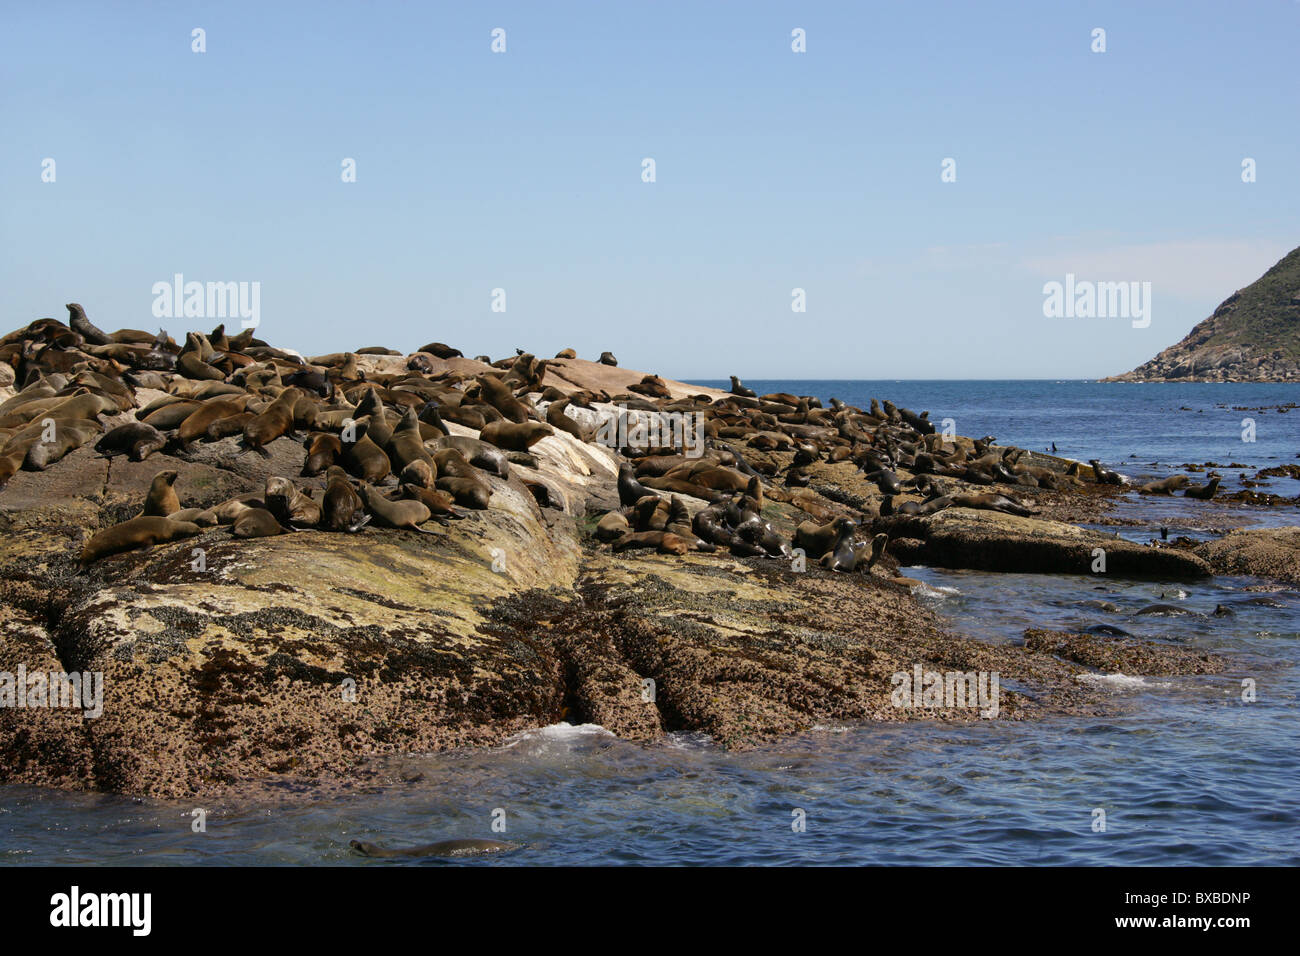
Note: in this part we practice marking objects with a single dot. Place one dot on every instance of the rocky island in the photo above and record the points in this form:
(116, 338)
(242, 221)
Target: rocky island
(1253, 336)
(284, 568)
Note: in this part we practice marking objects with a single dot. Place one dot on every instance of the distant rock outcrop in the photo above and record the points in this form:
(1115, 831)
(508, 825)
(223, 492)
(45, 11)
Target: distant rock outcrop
(1253, 336)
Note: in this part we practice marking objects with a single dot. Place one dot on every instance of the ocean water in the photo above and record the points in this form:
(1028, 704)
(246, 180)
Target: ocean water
(1185, 771)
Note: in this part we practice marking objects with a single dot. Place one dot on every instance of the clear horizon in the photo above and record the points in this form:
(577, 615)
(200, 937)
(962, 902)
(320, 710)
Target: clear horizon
(775, 170)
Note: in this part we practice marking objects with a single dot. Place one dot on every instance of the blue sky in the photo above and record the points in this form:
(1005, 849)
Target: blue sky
(774, 170)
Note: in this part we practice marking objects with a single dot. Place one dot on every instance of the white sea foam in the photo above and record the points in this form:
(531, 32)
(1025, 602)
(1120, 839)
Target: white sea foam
(1122, 681)
(939, 594)
(561, 732)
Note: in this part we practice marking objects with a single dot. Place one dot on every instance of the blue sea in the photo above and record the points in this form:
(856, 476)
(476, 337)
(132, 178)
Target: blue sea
(1184, 772)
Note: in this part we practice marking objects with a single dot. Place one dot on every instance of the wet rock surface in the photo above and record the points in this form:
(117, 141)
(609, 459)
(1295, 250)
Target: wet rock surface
(1268, 553)
(307, 657)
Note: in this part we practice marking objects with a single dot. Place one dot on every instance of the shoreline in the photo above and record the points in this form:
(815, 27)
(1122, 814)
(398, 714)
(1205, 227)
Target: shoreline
(233, 673)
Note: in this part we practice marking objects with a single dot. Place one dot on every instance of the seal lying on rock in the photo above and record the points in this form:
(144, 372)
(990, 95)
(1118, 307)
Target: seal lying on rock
(139, 532)
(452, 848)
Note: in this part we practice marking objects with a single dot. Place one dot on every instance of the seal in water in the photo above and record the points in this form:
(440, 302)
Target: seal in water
(453, 848)
(1166, 486)
(1203, 492)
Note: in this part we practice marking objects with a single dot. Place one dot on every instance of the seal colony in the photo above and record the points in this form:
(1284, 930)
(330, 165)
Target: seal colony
(486, 547)
(383, 442)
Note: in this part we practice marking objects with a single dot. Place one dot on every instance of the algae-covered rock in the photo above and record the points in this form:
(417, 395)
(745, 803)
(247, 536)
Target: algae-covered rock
(1268, 553)
(991, 541)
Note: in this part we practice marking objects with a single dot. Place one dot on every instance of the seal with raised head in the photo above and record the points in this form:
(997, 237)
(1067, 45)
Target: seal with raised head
(1104, 475)
(738, 388)
(1203, 492)
(365, 459)
(501, 397)
(162, 499)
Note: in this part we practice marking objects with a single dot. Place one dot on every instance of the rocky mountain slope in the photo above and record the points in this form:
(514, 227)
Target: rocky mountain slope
(1253, 336)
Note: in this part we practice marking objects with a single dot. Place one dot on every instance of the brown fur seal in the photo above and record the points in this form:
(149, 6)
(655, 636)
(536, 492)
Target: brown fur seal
(612, 525)
(630, 491)
(452, 848)
(290, 506)
(227, 511)
(441, 351)
(1166, 486)
(556, 418)
(1104, 475)
(224, 427)
(257, 523)
(421, 473)
(405, 513)
(197, 423)
(405, 445)
(323, 450)
(139, 532)
(365, 459)
(162, 499)
(136, 440)
(478, 453)
(68, 436)
(441, 504)
(607, 358)
(203, 517)
(842, 556)
(468, 492)
(500, 396)
(992, 502)
(1203, 492)
(171, 415)
(664, 541)
(275, 421)
(343, 509)
(816, 540)
(78, 322)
